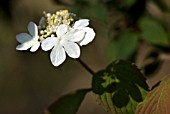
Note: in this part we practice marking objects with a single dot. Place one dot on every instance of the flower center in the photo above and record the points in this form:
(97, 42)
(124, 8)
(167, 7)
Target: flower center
(50, 22)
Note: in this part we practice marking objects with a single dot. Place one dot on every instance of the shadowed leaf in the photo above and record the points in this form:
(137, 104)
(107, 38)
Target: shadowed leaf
(157, 101)
(120, 87)
(97, 87)
(121, 95)
(69, 103)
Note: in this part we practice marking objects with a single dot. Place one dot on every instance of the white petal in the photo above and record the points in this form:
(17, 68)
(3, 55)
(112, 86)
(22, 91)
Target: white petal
(23, 37)
(35, 46)
(81, 23)
(61, 30)
(57, 55)
(74, 35)
(49, 43)
(35, 38)
(72, 49)
(89, 36)
(24, 46)
(33, 29)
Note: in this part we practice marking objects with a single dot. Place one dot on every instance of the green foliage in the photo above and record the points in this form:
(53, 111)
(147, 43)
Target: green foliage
(120, 87)
(94, 10)
(69, 103)
(157, 100)
(153, 32)
(123, 47)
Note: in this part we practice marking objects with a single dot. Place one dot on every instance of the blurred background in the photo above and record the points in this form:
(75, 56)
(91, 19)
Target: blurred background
(135, 30)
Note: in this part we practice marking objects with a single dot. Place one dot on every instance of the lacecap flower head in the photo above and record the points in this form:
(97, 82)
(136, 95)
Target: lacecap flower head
(62, 33)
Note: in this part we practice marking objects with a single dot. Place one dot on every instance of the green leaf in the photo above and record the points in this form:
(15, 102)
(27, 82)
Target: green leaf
(153, 32)
(97, 11)
(157, 100)
(124, 47)
(69, 103)
(93, 10)
(120, 87)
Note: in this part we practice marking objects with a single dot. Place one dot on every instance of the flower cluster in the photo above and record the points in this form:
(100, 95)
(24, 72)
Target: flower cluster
(61, 32)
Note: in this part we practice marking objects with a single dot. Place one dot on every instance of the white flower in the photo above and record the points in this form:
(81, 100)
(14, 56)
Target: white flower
(89, 32)
(29, 40)
(66, 41)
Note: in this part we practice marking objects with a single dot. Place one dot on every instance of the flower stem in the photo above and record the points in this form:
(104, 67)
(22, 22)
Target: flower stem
(86, 67)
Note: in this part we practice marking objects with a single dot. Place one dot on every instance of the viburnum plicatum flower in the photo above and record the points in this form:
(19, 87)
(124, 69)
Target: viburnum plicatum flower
(60, 32)
(29, 40)
(89, 32)
(65, 42)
